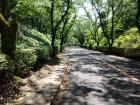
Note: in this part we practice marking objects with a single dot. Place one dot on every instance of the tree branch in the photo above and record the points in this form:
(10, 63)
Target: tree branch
(3, 21)
(63, 16)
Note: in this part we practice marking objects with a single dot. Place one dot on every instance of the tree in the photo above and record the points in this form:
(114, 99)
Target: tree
(34, 13)
(93, 26)
(110, 13)
(128, 19)
(56, 23)
(65, 30)
(138, 15)
(46, 16)
(8, 28)
(80, 32)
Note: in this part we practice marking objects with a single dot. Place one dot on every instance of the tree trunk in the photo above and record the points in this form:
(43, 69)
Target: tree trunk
(110, 45)
(53, 52)
(111, 39)
(62, 43)
(8, 31)
(8, 41)
(62, 34)
(54, 27)
(138, 16)
(98, 43)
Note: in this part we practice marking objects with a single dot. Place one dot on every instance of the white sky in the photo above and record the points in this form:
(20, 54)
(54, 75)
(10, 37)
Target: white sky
(88, 6)
(81, 11)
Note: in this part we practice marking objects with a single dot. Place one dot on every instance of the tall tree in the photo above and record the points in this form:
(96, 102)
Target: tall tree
(56, 23)
(80, 32)
(110, 13)
(138, 16)
(34, 13)
(93, 26)
(8, 27)
(65, 30)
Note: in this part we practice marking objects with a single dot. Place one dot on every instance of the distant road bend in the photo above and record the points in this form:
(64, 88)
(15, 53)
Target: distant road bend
(99, 79)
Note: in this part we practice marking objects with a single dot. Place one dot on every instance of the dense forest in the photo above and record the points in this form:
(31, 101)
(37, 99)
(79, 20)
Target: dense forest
(35, 31)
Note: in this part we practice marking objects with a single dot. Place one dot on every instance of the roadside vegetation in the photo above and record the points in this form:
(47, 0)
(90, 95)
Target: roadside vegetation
(129, 39)
(110, 26)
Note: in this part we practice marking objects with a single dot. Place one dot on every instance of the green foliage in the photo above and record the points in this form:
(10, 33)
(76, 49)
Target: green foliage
(32, 46)
(6, 63)
(80, 32)
(26, 57)
(18, 81)
(130, 39)
(43, 53)
(28, 37)
(73, 41)
(33, 13)
(103, 42)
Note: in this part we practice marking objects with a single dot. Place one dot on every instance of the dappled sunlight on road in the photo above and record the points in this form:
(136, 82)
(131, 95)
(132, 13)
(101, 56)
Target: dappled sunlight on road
(42, 86)
(91, 82)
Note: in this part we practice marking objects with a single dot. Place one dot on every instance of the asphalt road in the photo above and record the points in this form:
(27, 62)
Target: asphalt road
(99, 79)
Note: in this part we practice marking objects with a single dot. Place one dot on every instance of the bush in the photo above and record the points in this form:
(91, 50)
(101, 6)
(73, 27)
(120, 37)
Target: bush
(6, 63)
(33, 41)
(43, 53)
(31, 38)
(130, 39)
(26, 58)
(32, 47)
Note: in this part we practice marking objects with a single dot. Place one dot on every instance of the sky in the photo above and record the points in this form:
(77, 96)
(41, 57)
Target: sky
(88, 6)
(81, 11)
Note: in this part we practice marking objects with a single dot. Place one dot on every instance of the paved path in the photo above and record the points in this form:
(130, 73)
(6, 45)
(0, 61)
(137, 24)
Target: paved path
(98, 79)
(43, 85)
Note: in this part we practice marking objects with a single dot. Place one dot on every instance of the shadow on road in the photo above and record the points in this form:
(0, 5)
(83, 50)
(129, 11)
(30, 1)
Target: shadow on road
(92, 83)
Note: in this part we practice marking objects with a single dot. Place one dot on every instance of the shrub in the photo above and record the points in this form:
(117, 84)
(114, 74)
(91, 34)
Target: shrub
(31, 37)
(43, 53)
(32, 47)
(26, 58)
(130, 39)
(6, 63)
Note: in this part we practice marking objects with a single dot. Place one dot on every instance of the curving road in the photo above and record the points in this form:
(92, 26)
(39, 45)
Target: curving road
(99, 79)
